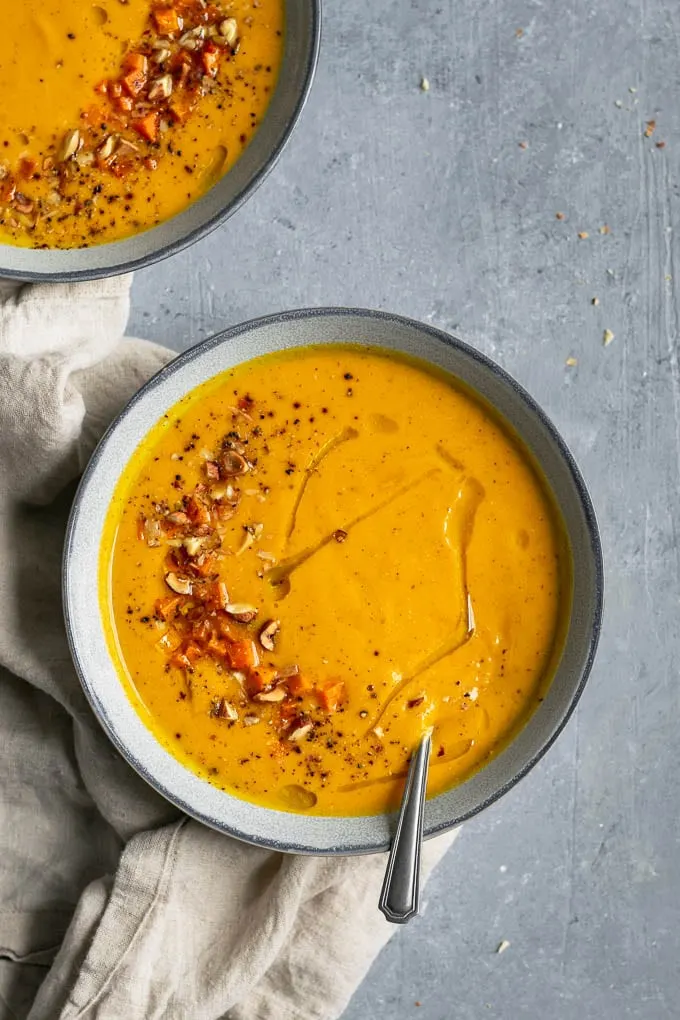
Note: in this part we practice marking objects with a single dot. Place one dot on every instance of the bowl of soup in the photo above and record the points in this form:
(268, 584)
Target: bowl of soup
(131, 129)
(308, 540)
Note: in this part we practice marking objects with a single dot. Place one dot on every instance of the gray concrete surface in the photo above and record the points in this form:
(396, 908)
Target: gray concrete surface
(425, 203)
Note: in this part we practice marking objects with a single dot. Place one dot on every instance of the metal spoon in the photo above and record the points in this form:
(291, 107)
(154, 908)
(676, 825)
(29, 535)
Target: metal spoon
(400, 896)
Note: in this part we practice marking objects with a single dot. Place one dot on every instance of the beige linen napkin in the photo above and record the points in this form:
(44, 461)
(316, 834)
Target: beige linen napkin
(112, 905)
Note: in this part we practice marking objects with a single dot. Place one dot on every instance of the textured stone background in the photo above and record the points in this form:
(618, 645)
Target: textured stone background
(425, 204)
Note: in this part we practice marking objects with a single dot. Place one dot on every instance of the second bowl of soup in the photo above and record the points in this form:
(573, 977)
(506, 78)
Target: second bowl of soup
(324, 544)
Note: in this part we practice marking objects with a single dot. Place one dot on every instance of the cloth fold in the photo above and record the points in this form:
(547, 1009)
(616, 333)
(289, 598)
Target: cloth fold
(112, 904)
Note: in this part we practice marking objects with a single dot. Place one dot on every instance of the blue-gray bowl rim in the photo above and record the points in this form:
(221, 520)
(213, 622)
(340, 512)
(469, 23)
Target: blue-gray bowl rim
(203, 229)
(446, 338)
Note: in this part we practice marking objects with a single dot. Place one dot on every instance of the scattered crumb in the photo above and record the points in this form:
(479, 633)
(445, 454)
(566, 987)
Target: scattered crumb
(519, 32)
(607, 337)
(610, 272)
(618, 103)
(604, 229)
(424, 85)
(649, 130)
(595, 301)
(584, 235)
(524, 145)
(571, 362)
(559, 215)
(503, 868)
(661, 145)
(633, 90)
(417, 1003)
(502, 946)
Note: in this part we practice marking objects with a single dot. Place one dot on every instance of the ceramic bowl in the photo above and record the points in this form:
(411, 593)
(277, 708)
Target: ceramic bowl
(303, 32)
(264, 826)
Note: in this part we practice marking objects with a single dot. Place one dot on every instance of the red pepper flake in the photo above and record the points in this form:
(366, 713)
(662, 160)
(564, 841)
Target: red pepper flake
(661, 145)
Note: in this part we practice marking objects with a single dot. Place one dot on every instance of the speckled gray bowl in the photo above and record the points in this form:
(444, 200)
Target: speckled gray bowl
(301, 48)
(263, 826)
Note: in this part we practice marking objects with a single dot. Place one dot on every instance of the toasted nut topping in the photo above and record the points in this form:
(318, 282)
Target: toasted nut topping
(107, 148)
(379, 732)
(278, 694)
(251, 720)
(300, 732)
(181, 585)
(22, 204)
(223, 709)
(70, 145)
(268, 633)
(229, 30)
(161, 88)
(287, 671)
(232, 463)
(414, 702)
(241, 611)
(339, 535)
(193, 545)
(178, 517)
(248, 540)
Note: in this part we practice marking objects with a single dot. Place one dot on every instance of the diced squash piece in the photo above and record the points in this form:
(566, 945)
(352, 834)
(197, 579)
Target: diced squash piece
(218, 648)
(260, 679)
(124, 103)
(299, 685)
(167, 607)
(135, 67)
(226, 627)
(167, 20)
(243, 654)
(210, 58)
(193, 652)
(147, 126)
(331, 695)
(181, 107)
(180, 661)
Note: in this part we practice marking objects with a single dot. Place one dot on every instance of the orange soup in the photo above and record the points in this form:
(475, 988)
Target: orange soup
(317, 555)
(118, 114)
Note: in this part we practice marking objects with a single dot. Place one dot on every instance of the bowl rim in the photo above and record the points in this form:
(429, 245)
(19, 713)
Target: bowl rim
(450, 340)
(203, 229)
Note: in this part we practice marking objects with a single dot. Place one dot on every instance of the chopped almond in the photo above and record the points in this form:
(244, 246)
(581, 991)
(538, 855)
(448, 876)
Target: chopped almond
(197, 511)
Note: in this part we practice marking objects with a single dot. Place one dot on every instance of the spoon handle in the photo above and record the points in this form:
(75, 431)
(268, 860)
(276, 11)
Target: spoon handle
(400, 896)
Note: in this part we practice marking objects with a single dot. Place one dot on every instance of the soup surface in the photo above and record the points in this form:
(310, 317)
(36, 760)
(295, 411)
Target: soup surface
(118, 114)
(317, 555)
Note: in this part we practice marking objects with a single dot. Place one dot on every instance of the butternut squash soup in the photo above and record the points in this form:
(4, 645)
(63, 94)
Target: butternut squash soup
(117, 114)
(317, 555)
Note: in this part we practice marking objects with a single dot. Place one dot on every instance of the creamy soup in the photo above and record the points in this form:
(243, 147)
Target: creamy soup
(317, 555)
(118, 114)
